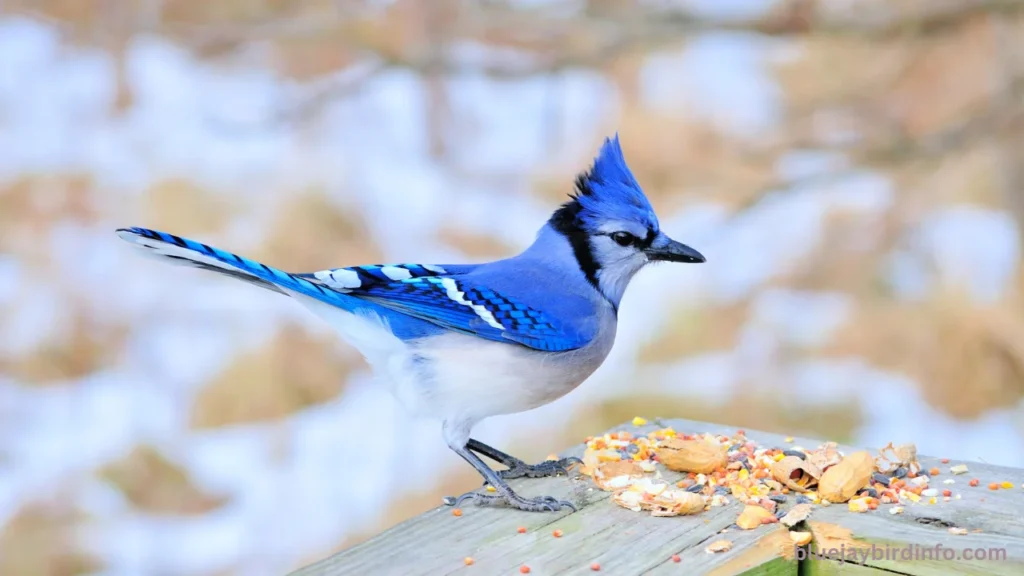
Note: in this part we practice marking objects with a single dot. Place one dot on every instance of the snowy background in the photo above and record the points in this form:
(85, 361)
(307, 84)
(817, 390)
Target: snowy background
(264, 494)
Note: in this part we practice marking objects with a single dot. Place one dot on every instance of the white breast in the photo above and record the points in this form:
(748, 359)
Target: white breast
(463, 377)
(460, 377)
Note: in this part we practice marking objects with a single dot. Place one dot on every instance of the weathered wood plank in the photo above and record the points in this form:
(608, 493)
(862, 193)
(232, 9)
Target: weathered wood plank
(757, 556)
(625, 542)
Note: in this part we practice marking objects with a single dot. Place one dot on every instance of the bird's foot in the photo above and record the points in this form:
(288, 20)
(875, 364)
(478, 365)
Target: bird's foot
(519, 469)
(513, 500)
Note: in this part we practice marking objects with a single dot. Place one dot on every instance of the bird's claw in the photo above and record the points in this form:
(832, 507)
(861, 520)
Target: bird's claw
(513, 500)
(541, 470)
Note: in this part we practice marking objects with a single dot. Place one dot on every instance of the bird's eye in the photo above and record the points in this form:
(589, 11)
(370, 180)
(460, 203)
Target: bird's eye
(623, 238)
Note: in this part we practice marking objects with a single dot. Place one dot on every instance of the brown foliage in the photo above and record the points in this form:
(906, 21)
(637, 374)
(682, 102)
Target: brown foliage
(88, 345)
(967, 358)
(697, 330)
(310, 232)
(154, 484)
(476, 246)
(40, 540)
(947, 76)
(30, 206)
(295, 370)
(181, 206)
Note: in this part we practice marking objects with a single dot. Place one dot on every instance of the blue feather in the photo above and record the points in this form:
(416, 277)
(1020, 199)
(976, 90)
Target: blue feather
(481, 311)
(608, 191)
(412, 306)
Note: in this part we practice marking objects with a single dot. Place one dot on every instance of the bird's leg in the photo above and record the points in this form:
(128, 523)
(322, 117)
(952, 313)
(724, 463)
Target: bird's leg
(517, 468)
(504, 493)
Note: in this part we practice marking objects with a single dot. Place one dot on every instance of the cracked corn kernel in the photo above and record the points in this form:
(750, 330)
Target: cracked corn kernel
(638, 421)
(468, 560)
(1006, 485)
(993, 486)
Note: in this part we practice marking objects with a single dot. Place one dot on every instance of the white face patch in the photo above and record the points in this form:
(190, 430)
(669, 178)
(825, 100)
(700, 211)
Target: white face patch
(453, 292)
(395, 273)
(339, 278)
(618, 265)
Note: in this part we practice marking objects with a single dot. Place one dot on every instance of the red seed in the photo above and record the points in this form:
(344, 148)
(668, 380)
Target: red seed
(945, 460)
(521, 529)
(557, 533)
(947, 493)
(524, 569)
(676, 558)
(933, 472)
(595, 567)
(973, 482)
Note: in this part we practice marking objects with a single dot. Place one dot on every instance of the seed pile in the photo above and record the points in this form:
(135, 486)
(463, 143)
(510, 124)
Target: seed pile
(720, 469)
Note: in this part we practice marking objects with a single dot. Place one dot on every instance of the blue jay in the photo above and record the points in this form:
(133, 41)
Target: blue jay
(462, 342)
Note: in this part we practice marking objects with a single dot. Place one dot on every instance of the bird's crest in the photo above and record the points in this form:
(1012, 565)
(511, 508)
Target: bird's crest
(608, 191)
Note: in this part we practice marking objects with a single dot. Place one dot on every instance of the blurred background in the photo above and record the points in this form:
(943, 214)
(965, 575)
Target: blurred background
(853, 169)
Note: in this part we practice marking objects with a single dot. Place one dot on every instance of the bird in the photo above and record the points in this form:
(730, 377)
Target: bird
(460, 343)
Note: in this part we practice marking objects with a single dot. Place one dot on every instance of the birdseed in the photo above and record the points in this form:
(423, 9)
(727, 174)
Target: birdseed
(720, 469)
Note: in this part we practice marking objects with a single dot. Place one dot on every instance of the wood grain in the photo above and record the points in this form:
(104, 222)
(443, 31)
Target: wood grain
(626, 542)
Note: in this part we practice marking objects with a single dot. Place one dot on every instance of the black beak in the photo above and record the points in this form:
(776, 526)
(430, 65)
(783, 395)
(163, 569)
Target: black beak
(674, 252)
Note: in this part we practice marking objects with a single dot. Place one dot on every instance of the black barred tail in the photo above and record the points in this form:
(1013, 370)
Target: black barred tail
(182, 251)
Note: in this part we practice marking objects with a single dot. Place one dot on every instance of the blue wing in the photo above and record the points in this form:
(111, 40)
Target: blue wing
(461, 305)
(436, 294)
(356, 278)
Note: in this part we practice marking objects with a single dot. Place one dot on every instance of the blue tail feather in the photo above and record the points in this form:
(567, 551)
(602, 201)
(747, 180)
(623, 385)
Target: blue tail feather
(199, 255)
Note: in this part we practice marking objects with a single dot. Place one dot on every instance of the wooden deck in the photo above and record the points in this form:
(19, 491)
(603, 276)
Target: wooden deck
(626, 542)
